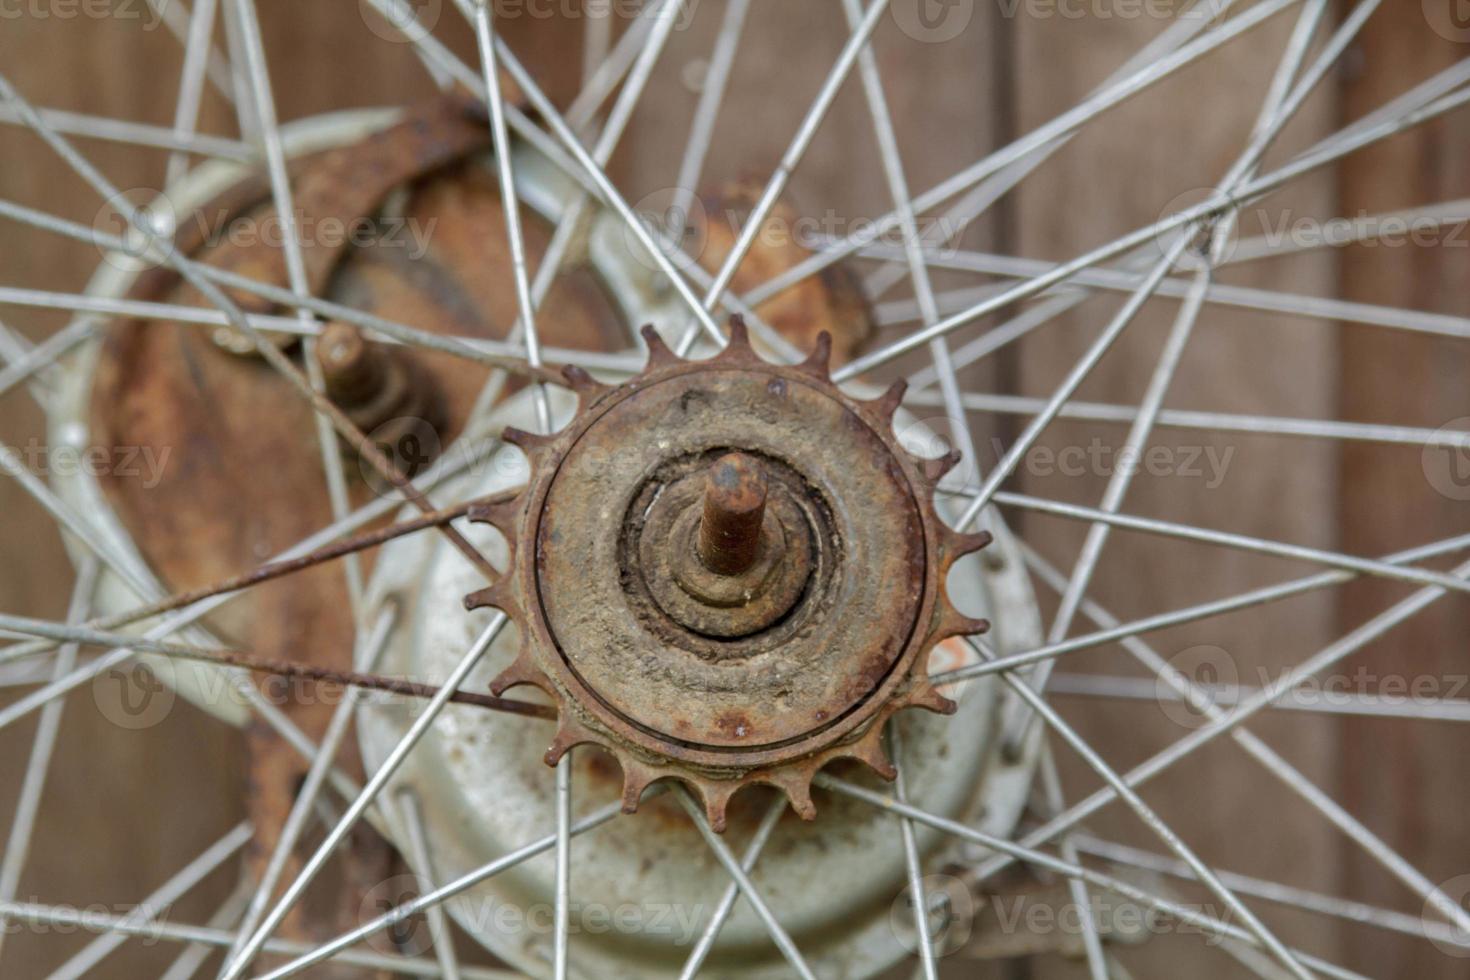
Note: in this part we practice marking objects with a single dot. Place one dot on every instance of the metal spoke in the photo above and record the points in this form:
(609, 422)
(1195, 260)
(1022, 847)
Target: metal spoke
(135, 134)
(221, 938)
(1315, 664)
(401, 913)
(274, 152)
(1188, 614)
(191, 83)
(303, 806)
(1012, 851)
(43, 744)
(747, 888)
(1240, 542)
(911, 860)
(1292, 778)
(563, 865)
(370, 791)
(1124, 791)
(1296, 898)
(1051, 786)
(726, 905)
(419, 854)
(1268, 425)
(176, 16)
(158, 902)
(776, 185)
(702, 127)
(1356, 704)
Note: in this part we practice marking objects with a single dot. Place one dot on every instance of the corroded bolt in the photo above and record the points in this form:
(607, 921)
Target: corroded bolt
(352, 368)
(734, 506)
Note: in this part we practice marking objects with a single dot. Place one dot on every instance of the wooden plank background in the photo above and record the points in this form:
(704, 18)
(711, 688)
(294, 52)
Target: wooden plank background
(999, 77)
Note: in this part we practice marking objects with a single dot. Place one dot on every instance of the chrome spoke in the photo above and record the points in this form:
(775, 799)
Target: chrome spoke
(43, 746)
(753, 897)
(303, 807)
(726, 905)
(401, 913)
(1290, 777)
(157, 903)
(364, 799)
(1012, 851)
(274, 152)
(423, 859)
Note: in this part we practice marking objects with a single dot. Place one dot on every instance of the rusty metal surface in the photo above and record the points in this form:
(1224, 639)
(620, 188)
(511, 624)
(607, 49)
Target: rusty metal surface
(244, 476)
(773, 700)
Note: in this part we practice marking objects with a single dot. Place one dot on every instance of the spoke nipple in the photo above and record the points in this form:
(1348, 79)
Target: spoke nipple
(734, 507)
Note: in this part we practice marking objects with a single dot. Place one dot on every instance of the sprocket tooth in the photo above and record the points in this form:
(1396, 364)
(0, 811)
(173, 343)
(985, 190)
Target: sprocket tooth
(952, 622)
(716, 798)
(503, 515)
(886, 404)
(795, 784)
(583, 383)
(637, 777)
(925, 695)
(659, 353)
(570, 733)
(869, 751)
(497, 596)
(521, 672)
(529, 443)
(739, 336)
(934, 469)
(958, 545)
(818, 363)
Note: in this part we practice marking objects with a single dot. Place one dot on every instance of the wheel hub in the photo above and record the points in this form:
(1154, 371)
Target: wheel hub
(727, 572)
